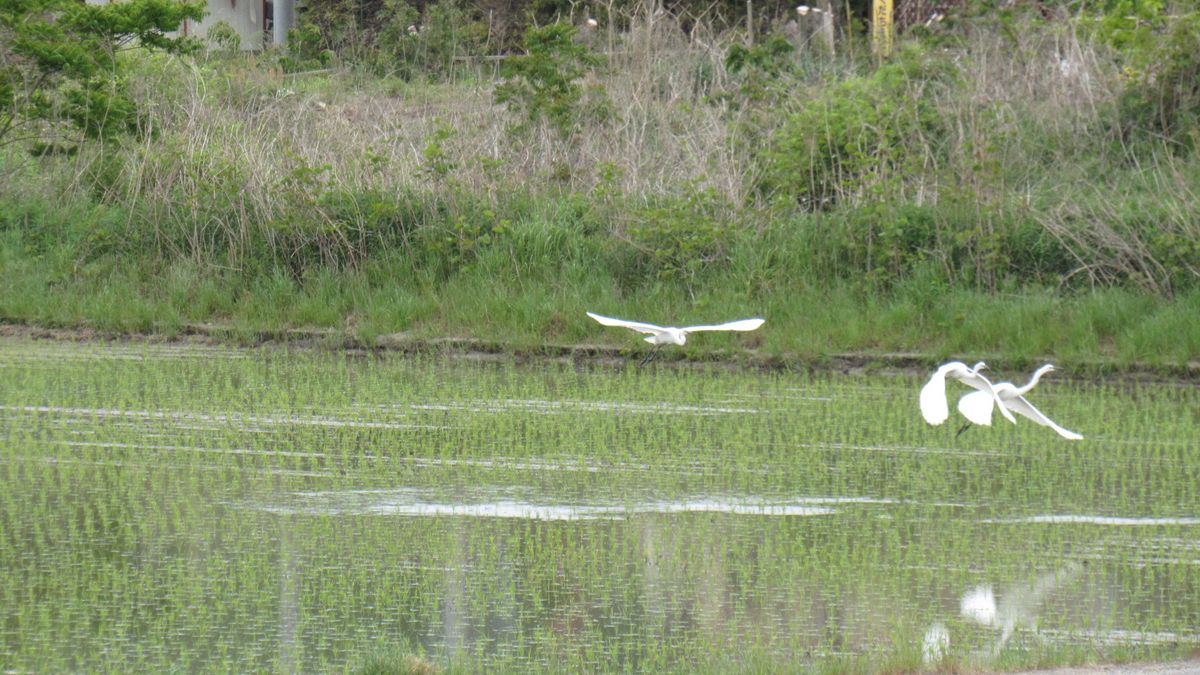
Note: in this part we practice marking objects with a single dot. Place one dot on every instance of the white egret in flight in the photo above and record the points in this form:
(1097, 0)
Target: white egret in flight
(933, 394)
(670, 335)
(1011, 397)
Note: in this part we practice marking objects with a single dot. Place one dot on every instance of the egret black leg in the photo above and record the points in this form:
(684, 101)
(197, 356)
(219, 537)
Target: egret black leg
(650, 356)
(964, 428)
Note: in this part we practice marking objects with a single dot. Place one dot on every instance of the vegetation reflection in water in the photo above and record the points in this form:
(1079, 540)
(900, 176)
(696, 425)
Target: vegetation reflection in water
(198, 508)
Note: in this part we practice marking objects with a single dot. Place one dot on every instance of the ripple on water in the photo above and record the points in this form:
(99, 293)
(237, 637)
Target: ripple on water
(413, 502)
(224, 418)
(552, 407)
(1121, 521)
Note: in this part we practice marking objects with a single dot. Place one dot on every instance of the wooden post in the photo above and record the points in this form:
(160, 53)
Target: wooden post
(750, 22)
(881, 27)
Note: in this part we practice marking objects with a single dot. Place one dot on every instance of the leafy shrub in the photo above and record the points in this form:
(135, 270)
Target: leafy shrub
(306, 48)
(224, 37)
(460, 227)
(544, 82)
(322, 224)
(436, 160)
(961, 240)
(399, 38)
(760, 67)
(772, 56)
(680, 237)
(860, 137)
(412, 43)
(343, 27)
(874, 244)
(1161, 98)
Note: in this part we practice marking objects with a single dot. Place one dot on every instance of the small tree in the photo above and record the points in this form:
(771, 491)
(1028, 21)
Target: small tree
(543, 83)
(60, 62)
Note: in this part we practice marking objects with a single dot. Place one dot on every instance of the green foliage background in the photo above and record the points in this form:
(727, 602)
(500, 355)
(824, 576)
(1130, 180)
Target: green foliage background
(1006, 183)
(61, 63)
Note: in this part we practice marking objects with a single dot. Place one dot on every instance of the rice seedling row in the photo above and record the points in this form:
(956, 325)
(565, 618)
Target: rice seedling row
(304, 511)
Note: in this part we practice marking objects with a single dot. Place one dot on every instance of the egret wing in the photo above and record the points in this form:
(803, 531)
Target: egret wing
(976, 381)
(933, 399)
(743, 324)
(1026, 408)
(977, 407)
(632, 325)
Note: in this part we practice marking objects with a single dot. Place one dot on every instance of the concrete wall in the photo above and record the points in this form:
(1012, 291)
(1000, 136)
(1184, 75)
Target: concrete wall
(246, 17)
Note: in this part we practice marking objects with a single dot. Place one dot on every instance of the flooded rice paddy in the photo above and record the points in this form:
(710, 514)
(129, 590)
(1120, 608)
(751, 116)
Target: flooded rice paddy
(208, 509)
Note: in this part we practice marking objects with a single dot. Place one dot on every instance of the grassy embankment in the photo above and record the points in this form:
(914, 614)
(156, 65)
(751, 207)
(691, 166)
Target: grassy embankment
(993, 194)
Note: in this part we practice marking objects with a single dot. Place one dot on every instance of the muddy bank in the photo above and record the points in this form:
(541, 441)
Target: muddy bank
(1190, 667)
(604, 355)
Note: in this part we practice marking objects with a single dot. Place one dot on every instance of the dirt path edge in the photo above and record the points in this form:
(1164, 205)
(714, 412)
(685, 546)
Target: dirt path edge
(483, 350)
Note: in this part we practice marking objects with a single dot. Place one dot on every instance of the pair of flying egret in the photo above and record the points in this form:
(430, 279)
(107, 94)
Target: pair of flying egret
(976, 406)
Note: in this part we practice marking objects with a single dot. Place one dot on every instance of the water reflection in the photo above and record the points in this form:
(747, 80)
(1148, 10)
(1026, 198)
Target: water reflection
(91, 415)
(1100, 520)
(1018, 605)
(559, 406)
(413, 502)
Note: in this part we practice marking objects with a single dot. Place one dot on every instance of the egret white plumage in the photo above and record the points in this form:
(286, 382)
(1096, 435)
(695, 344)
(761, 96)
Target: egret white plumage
(1011, 397)
(671, 335)
(933, 395)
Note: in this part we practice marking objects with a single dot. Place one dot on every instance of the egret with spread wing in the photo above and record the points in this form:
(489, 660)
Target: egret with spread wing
(670, 335)
(1011, 397)
(933, 395)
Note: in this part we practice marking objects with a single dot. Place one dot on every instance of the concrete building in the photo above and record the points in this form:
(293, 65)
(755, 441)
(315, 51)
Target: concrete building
(259, 22)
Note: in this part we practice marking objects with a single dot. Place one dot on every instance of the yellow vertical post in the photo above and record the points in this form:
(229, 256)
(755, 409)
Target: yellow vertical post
(881, 27)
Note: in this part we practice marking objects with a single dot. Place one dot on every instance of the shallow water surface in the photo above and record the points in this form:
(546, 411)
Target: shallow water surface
(210, 509)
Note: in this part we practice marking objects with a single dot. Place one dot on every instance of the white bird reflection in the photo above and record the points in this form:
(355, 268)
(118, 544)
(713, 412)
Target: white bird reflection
(1016, 607)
